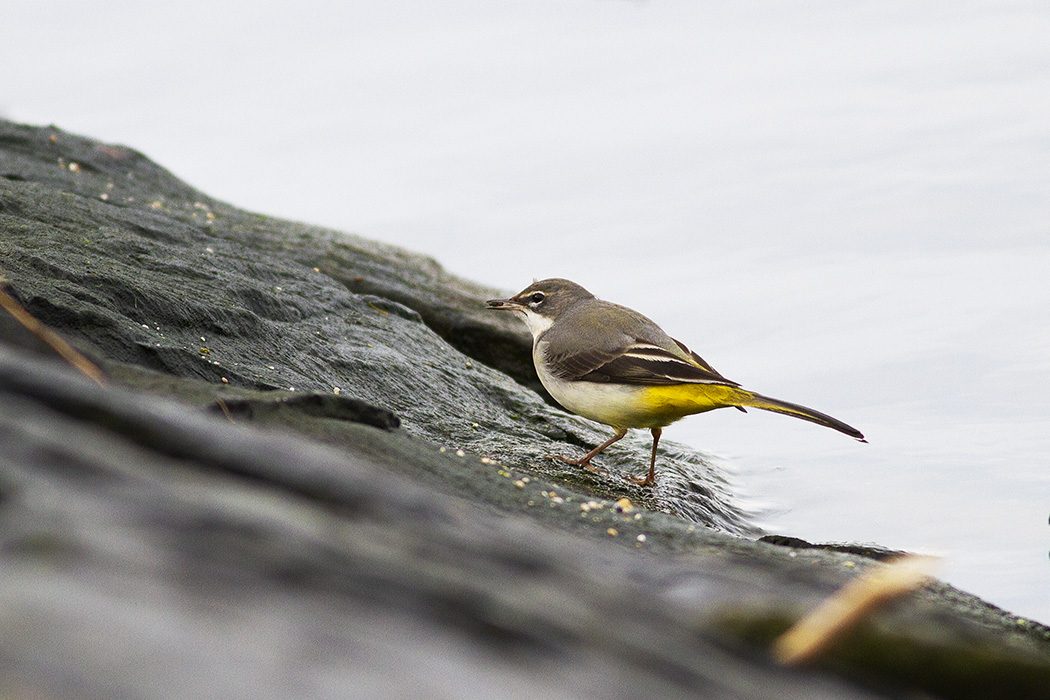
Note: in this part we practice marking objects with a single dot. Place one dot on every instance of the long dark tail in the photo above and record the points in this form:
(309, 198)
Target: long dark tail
(793, 409)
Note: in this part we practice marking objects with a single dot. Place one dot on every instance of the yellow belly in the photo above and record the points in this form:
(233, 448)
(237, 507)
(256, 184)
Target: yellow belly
(666, 404)
(636, 406)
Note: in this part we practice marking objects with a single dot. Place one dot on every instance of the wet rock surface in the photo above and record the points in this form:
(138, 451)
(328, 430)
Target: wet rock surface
(318, 468)
(160, 276)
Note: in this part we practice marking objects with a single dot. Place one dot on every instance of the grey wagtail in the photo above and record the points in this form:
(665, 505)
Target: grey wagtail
(613, 365)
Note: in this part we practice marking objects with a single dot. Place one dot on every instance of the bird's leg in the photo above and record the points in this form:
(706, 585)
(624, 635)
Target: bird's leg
(585, 461)
(649, 480)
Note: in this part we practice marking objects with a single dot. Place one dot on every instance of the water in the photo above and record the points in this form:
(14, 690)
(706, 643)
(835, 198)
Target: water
(842, 205)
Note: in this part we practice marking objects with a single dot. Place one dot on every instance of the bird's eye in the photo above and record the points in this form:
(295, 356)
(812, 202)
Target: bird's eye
(536, 297)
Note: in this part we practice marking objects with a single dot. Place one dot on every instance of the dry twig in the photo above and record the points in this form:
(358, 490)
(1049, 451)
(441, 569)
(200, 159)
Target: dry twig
(855, 602)
(57, 342)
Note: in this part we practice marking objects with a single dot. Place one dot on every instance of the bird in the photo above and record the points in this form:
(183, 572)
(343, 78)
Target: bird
(611, 364)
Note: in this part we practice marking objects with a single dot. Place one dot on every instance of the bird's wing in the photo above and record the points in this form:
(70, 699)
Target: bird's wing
(645, 363)
(642, 355)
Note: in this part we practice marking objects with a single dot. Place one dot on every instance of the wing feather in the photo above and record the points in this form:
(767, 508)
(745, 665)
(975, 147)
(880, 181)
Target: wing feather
(634, 350)
(639, 363)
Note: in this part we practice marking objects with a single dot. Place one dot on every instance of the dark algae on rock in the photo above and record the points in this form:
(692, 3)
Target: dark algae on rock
(317, 468)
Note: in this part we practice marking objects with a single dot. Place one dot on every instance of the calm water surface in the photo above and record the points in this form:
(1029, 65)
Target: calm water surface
(837, 204)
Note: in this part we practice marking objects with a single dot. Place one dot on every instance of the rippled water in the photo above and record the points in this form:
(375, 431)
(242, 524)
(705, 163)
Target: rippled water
(837, 204)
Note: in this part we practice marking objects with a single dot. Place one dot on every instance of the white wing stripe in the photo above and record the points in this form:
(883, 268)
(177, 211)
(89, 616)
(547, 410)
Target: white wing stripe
(657, 358)
(667, 367)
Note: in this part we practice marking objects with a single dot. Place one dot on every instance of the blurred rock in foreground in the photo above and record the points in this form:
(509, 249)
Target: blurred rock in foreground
(317, 469)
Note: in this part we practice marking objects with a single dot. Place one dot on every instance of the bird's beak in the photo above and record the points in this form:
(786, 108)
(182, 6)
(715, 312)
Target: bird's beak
(504, 304)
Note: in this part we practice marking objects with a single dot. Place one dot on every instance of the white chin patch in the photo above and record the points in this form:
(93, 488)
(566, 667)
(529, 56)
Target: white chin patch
(537, 324)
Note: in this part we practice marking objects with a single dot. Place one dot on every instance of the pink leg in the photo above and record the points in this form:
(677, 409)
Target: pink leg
(585, 461)
(650, 479)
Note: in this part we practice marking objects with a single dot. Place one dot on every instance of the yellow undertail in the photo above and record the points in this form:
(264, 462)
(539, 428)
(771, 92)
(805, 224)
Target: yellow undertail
(679, 400)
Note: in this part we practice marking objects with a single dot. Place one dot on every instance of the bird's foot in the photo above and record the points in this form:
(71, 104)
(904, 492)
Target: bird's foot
(578, 462)
(647, 480)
